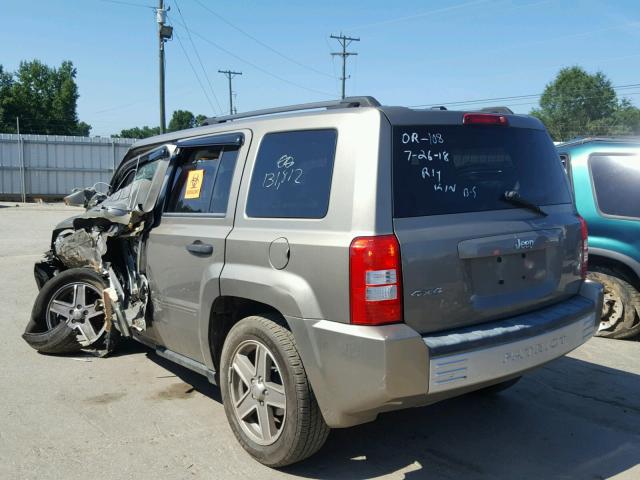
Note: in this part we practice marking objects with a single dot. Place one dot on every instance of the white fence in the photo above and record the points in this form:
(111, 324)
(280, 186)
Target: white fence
(52, 165)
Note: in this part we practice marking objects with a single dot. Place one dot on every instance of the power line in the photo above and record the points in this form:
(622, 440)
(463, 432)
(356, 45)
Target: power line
(165, 33)
(260, 42)
(204, 71)
(130, 4)
(515, 97)
(230, 74)
(344, 42)
(193, 69)
(251, 64)
(423, 14)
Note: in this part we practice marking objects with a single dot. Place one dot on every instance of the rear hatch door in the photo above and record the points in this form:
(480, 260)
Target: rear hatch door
(468, 254)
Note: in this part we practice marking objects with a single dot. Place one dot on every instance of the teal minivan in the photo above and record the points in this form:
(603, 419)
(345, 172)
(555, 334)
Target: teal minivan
(605, 175)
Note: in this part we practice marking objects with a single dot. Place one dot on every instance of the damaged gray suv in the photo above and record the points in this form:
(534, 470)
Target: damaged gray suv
(327, 262)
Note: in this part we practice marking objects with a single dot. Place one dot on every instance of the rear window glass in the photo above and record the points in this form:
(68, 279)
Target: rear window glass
(616, 180)
(292, 175)
(454, 169)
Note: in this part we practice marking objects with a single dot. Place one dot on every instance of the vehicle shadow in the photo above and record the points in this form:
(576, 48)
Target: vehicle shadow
(569, 419)
(199, 382)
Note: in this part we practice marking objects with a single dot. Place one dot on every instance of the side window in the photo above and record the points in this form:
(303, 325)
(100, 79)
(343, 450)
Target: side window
(292, 175)
(616, 180)
(202, 181)
(222, 187)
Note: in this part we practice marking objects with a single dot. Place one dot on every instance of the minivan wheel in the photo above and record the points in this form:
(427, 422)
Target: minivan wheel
(267, 396)
(621, 307)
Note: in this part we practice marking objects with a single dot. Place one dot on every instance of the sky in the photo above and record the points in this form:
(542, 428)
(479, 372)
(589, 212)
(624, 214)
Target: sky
(410, 53)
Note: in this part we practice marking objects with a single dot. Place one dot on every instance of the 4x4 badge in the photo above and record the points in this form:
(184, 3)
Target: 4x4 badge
(430, 291)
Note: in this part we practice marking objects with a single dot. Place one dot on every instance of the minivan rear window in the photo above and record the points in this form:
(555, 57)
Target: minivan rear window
(448, 169)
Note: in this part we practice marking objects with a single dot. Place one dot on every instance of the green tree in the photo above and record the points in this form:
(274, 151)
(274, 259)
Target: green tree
(577, 103)
(138, 132)
(44, 98)
(182, 119)
(6, 103)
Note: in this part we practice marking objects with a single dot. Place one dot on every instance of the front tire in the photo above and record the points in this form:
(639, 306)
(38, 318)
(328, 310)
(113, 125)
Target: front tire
(267, 397)
(621, 307)
(68, 314)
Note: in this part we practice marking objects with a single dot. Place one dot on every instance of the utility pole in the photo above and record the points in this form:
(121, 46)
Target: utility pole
(165, 32)
(344, 42)
(230, 74)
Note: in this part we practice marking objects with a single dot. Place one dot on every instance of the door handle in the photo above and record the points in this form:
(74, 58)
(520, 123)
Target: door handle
(200, 249)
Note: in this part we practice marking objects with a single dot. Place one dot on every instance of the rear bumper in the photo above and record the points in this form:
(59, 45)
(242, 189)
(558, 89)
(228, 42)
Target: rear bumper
(358, 372)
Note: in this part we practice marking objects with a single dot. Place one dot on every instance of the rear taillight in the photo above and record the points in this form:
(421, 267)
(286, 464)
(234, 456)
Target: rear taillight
(375, 280)
(584, 250)
(484, 119)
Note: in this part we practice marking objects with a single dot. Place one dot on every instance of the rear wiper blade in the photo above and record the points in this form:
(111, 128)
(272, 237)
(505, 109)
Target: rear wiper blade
(514, 198)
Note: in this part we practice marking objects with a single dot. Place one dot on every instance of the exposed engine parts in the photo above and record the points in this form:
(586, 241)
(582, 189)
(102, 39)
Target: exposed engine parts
(91, 290)
(80, 248)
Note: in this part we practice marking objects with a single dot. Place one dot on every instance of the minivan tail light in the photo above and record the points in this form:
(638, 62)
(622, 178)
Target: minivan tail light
(584, 250)
(484, 119)
(375, 280)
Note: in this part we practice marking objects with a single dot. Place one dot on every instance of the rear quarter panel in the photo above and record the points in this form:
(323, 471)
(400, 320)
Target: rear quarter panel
(315, 282)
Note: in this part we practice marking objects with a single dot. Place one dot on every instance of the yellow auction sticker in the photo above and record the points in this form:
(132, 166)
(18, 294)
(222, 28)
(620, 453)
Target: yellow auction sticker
(194, 184)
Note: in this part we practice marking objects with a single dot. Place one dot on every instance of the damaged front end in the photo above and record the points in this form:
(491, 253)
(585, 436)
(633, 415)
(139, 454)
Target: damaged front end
(92, 287)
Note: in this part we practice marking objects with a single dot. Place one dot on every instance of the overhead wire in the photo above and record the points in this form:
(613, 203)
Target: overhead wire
(195, 49)
(263, 44)
(419, 15)
(514, 97)
(251, 64)
(195, 73)
(130, 4)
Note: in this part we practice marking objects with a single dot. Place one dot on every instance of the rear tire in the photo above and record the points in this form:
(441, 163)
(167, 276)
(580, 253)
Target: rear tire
(620, 317)
(295, 431)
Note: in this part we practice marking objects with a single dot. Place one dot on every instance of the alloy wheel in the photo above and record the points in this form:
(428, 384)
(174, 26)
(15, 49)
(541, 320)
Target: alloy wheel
(79, 305)
(257, 392)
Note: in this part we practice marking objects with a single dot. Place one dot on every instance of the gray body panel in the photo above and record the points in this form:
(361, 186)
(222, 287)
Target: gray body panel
(471, 263)
(315, 282)
(179, 280)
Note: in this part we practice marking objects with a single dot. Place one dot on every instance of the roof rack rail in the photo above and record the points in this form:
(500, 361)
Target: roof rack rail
(347, 102)
(503, 110)
(438, 107)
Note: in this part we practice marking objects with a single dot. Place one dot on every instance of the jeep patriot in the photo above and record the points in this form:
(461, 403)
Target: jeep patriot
(324, 263)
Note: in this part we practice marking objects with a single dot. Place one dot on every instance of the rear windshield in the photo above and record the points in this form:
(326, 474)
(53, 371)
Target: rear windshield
(454, 169)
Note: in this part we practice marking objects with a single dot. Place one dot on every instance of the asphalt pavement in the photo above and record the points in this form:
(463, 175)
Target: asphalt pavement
(137, 416)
